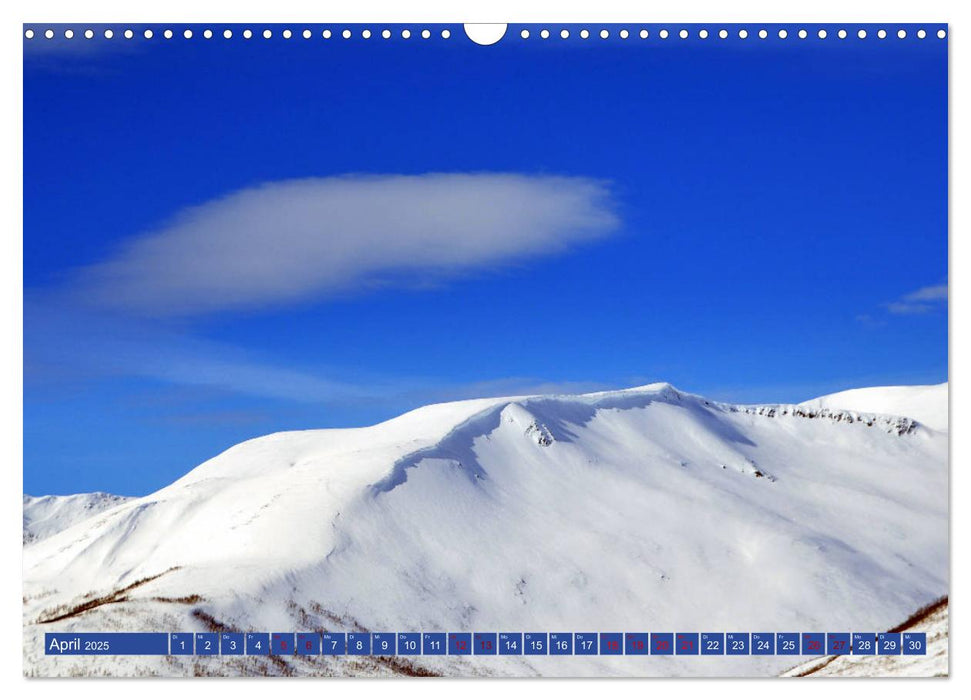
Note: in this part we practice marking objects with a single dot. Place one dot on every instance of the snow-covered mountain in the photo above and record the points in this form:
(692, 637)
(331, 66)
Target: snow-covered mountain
(47, 515)
(927, 404)
(647, 509)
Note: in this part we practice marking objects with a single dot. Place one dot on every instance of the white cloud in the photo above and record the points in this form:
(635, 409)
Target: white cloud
(920, 301)
(290, 241)
(937, 292)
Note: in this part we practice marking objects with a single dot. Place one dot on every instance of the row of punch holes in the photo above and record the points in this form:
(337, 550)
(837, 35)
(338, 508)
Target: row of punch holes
(446, 33)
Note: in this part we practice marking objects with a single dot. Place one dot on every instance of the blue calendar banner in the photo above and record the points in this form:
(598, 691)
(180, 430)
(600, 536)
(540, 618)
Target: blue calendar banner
(281, 643)
(535, 643)
(488, 643)
(763, 643)
(787, 643)
(182, 643)
(561, 643)
(813, 643)
(636, 644)
(459, 644)
(837, 643)
(101, 643)
(914, 643)
(585, 643)
(433, 644)
(737, 643)
(686, 643)
(409, 643)
(308, 643)
(334, 643)
(207, 644)
(611, 643)
(510, 643)
(865, 643)
(231, 643)
(257, 643)
(888, 643)
(662, 643)
(485, 643)
(383, 643)
(712, 643)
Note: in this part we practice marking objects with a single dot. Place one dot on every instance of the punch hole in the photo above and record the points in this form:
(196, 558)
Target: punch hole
(487, 34)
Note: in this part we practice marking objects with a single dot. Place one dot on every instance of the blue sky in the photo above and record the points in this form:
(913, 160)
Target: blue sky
(228, 238)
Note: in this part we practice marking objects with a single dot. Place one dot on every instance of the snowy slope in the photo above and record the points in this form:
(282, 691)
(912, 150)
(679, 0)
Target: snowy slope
(932, 621)
(47, 515)
(640, 510)
(926, 404)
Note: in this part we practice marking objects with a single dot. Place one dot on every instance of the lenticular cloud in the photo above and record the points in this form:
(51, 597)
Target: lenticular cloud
(288, 241)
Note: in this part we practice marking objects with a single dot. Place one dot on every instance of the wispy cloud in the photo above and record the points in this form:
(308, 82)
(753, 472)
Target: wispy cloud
(104, 346)
(290, 241)
(921, 301)
(101, 346)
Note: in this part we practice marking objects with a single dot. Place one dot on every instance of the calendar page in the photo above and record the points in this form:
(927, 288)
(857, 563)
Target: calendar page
(515, 350)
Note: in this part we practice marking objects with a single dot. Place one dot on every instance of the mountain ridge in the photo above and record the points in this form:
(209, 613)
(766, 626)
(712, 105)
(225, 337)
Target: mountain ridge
(556, 511)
